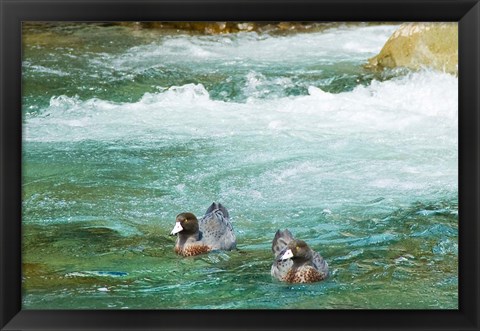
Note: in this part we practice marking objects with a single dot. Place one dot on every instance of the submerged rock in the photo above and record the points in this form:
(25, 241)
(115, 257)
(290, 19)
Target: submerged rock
(420, 45)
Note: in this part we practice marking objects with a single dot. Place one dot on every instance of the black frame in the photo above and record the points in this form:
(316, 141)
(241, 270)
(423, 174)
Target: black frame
(465, 12)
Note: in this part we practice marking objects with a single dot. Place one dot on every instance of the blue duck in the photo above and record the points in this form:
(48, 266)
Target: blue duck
(213, 232)
(295, 262)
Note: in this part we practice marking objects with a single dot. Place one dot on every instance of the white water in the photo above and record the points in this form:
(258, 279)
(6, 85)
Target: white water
(396, 138)
(414, 105)
(247, 49)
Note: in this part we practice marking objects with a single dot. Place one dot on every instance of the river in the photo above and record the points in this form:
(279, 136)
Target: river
(125, 128)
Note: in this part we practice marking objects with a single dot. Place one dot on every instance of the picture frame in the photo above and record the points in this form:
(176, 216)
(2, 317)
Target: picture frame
(466, 13)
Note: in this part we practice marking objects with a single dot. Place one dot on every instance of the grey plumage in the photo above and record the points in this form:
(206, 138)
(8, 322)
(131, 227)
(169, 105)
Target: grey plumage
(217, 231)
(280, 241)
(218, 206)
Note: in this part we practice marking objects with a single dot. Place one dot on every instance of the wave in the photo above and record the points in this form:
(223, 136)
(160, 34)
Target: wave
(332, 45)
(423, 104)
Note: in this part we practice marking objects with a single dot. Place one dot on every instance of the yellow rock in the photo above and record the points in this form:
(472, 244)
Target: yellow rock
(420, 45)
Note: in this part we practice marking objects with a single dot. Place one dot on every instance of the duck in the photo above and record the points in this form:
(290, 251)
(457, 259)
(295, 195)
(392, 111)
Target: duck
(212, 232)
(295, 261)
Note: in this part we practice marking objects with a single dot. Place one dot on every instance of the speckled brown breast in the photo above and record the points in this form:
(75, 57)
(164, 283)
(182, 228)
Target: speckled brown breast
(303, 275)
(192, 250)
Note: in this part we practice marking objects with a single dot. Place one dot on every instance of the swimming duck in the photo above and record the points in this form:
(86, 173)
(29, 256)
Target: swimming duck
(295, 261)
(213, 232)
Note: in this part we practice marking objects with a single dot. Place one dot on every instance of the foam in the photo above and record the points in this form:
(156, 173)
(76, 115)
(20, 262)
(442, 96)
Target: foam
(396, 139)
(222, 51)
(405, 104)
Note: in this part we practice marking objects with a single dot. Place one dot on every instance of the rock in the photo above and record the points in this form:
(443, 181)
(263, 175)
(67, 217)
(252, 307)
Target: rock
(201, 27)
(420, 45)
(212, 28)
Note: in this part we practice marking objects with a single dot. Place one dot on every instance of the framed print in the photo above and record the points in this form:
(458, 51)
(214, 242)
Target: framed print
(241, 165)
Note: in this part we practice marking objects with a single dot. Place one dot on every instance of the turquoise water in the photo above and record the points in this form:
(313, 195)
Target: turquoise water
(125, 128)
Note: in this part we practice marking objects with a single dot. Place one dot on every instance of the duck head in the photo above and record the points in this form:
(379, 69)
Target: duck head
(186, 223)
(297, 250)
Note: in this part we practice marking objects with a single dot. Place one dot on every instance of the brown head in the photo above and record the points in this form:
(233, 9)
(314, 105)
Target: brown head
(186, 223)
(298, 251)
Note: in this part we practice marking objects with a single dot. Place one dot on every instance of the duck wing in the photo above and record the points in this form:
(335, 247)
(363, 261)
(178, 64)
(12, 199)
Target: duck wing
(217, 206)
(217, 231)
(319, 263)
(280, 241)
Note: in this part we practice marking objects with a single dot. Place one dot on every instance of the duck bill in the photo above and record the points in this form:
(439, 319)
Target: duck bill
(287, 255)
(176, 229)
